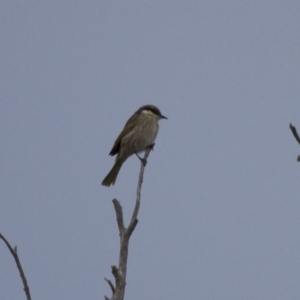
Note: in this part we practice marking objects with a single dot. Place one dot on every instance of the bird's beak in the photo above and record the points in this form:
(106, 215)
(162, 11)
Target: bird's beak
(163, 117)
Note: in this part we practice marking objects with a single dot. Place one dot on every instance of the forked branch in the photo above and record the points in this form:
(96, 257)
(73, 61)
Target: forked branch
(119, 273)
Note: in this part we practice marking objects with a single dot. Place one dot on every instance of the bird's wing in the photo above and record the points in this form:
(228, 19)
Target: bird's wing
(127, 128)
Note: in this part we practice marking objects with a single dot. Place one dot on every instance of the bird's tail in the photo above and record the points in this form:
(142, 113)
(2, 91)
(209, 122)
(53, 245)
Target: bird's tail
(111, 177)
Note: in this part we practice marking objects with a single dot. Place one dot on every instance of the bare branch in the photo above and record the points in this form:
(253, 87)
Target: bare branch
(110, 284)
(133, 221)
(130, 229)
(14, 253)
(296, 136)
(295, 133)
(119, 215)
(120, 273)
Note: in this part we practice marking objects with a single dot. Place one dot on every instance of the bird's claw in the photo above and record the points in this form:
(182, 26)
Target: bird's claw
(143, 160)
(151, 146)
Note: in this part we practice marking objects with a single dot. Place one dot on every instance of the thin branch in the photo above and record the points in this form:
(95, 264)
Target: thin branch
(119, 215)
(119, 272)
(133, 221)
(110, 284)
(295, 133)
(14, 253)
(296, 136)
(130, 229)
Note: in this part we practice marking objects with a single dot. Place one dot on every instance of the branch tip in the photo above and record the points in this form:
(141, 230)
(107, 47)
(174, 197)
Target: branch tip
(111, 285)
(14, 253)
(295, 133)
(119, 215)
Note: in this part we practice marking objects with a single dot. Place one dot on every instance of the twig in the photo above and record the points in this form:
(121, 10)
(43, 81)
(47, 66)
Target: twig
(296, 136)
(119, 215)
(295, 133)
(110, 284)
(119, 272)
(134, 220)
(14, 253)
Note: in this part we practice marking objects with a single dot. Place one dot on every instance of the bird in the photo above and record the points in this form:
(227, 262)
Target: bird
(138, 134)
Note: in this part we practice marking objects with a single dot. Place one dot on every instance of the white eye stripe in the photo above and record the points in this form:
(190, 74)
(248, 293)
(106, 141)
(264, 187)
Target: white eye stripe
(147, 112)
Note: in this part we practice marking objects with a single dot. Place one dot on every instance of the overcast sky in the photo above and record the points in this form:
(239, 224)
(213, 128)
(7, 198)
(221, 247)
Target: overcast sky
(219, 218)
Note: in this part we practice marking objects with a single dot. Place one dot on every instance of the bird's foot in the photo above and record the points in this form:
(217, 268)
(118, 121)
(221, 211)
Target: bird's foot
(143, 160)
(151, 146)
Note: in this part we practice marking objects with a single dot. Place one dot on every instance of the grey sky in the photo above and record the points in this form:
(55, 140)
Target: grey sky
(219, 217)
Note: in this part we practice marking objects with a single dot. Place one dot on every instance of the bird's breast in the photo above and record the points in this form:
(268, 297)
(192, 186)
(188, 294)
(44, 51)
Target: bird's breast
(141, 136)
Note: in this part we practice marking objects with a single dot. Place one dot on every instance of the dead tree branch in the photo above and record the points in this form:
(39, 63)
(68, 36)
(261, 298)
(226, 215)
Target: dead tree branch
(296, 136)
(110, 284)
(14, 253)
(119, 273)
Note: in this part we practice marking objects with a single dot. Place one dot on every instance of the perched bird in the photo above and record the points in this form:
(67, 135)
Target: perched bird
(138, 133)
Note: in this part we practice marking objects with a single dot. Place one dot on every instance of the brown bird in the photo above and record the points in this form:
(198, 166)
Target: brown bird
(138, 133)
